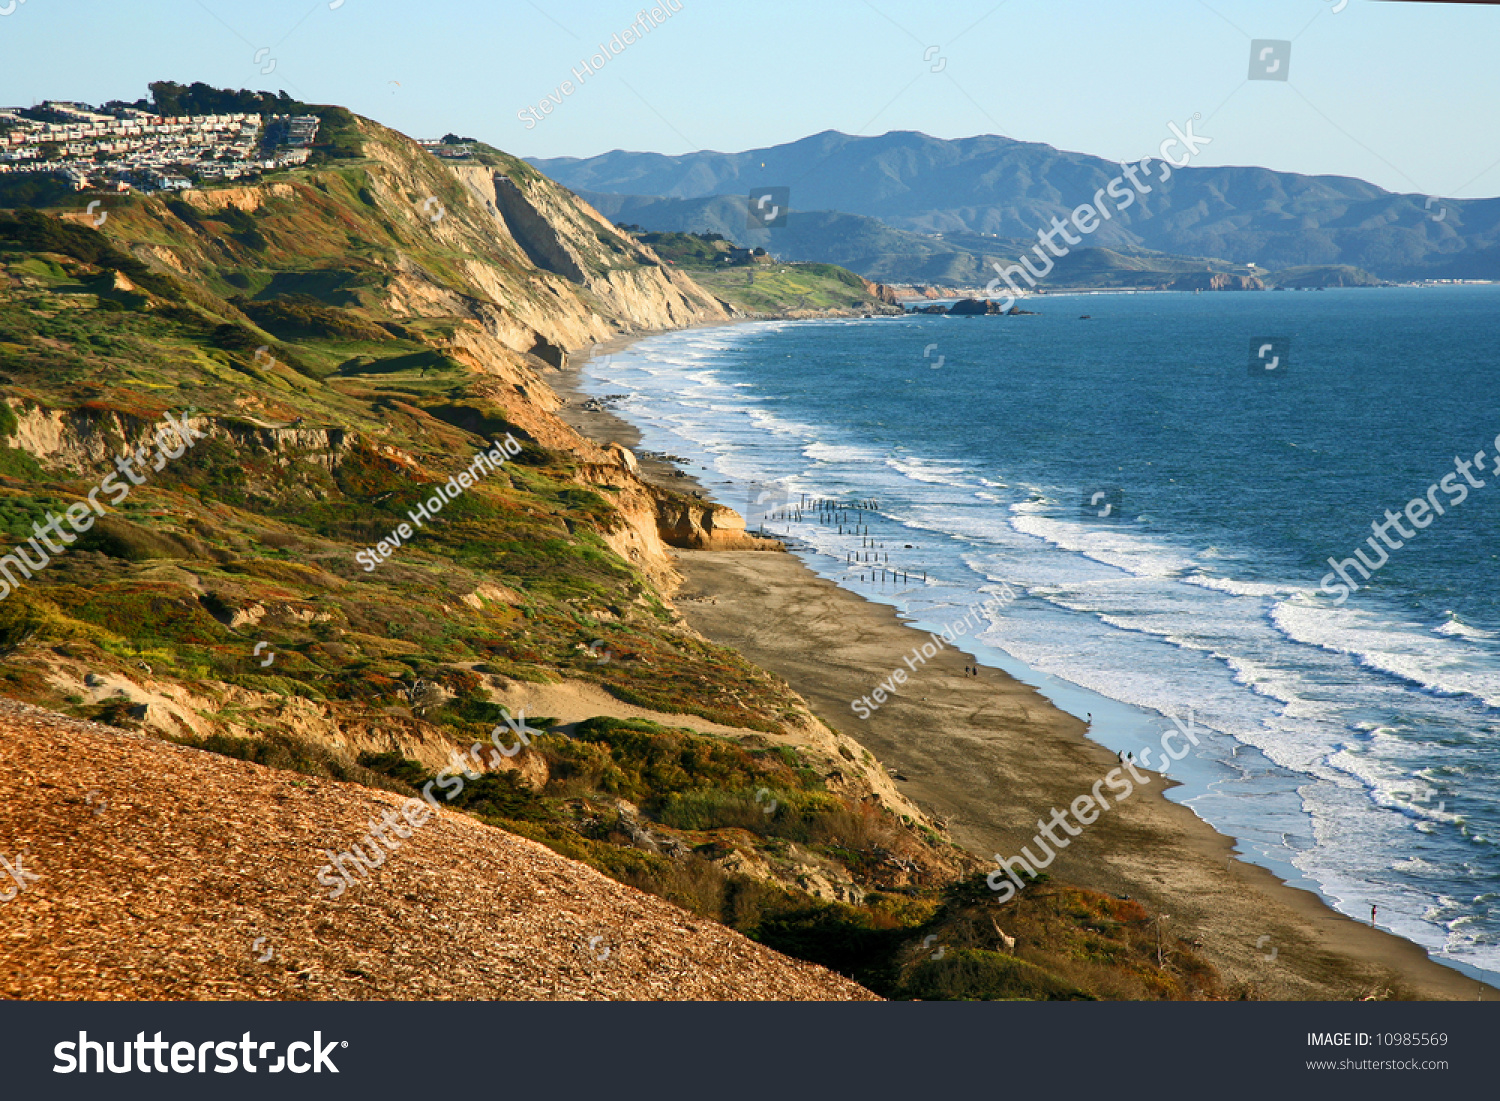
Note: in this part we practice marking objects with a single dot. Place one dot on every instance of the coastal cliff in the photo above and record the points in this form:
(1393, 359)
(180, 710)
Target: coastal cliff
(308, 588)
(299, 581)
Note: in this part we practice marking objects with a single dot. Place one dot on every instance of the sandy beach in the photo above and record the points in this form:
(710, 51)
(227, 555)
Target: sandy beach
(991, 756)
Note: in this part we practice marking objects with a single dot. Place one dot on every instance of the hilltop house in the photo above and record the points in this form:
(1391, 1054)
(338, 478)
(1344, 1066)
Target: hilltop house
(747, 256)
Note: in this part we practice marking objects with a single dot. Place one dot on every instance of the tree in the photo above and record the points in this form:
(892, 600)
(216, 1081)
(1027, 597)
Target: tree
(170, 98)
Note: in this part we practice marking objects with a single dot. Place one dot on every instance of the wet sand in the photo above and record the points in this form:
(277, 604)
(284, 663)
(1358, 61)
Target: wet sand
(605, 427)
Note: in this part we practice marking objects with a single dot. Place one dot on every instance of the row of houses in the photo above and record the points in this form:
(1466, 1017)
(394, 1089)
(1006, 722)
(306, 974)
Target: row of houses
(131, 125)
(458, 152)
(134, 148)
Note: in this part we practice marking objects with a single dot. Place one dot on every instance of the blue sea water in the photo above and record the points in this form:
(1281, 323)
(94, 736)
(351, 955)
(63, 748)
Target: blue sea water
(1354, 746)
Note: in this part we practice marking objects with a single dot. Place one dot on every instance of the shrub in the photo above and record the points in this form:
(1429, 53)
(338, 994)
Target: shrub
(295, 754)
(300, 316)
(19, 624)
(33, 231)
(712, 809)
(969, 974)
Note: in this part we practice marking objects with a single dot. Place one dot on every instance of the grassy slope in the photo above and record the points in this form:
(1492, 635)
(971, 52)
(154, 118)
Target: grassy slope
(775, 287)
(239, 526)
(1322, 275)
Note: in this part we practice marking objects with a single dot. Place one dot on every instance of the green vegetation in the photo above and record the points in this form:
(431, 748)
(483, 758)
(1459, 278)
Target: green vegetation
(690, 250)
(759, 283)
(337, 394)
(19, 624)
(775, 287)
(684, 816)
(34, 191)
(1321, 275)
(297, 316)
(30, 231)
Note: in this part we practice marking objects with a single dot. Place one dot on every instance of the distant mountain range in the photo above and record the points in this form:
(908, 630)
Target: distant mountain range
(859, 243)
(988, 196)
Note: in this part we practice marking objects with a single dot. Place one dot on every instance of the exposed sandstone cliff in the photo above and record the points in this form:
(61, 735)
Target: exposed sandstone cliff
(882, 292)
(1207, 281)
(88, 439)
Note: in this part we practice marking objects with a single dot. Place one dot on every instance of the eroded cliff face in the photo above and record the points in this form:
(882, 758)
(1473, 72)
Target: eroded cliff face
(610, 285)
(548, 275)
(564, 236)
(500, 269)
(244, 199)
(523, 268)
(83, 441)
(656, 519)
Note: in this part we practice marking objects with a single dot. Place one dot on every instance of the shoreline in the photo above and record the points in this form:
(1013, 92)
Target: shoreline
(986, 753)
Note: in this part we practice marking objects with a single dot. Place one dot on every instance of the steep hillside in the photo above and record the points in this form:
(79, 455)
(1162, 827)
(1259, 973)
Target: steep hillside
(310, 506)
(219, 861)
(337, 345)
(994, 185)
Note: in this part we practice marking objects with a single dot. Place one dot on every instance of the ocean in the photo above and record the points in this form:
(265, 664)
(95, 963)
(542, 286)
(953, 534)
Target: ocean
(1164, 503)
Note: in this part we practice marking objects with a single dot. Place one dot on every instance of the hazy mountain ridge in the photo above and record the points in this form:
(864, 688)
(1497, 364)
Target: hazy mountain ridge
(995, 185)
(863, 244)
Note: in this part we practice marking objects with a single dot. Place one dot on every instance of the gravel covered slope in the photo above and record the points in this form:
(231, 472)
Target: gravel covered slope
(158, 868)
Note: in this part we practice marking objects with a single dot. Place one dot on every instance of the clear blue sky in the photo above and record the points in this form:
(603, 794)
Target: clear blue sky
(1402, 94)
